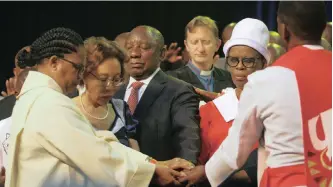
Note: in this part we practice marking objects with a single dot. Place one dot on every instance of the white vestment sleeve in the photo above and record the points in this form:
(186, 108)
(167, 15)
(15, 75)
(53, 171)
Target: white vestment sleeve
(243, 134)
(99, 156)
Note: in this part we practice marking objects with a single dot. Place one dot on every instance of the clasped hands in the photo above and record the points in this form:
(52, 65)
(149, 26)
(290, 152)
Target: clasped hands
(178, 172)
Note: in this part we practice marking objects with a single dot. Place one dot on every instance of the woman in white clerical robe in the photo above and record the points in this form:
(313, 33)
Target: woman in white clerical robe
(52, 143)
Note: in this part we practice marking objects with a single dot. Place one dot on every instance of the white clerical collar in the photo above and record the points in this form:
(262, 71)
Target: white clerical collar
(199, 71)
(227, 104)
(206, 73)
(144, 81)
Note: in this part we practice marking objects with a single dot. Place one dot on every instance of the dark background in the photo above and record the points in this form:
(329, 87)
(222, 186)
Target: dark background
(22, 22)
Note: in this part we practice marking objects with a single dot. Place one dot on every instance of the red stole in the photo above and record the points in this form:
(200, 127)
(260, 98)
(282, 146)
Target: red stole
(313, 70)
(214, 126)
(213, 130)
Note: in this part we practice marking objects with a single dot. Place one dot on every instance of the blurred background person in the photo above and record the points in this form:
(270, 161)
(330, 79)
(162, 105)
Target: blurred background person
(325, 44)
(274, 37)
(225, 36)
(327, 33)
(10, 88)
(275, 51)
(226, 33)
(121, 39)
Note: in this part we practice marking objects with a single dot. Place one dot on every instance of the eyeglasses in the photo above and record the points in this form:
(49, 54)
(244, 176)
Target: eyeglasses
(116, 81)
(78, 67)
(247, 62)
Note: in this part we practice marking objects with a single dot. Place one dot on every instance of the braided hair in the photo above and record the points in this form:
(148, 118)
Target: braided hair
(57, 41)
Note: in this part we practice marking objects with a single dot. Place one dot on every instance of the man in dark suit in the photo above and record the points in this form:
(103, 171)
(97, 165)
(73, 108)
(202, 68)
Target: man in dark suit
(166, 108)
(202, 42)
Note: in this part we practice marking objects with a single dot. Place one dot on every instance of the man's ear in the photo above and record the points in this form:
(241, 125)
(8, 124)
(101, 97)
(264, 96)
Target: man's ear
(185, 43)
(286, 33)
(218, 44)
(162, 53)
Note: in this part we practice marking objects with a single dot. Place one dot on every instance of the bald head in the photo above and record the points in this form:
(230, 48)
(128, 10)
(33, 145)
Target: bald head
(275, 37)
(276, 51)
(327, 34)
(325, 44)
(121, 39)
(150, 32)
(227, 31)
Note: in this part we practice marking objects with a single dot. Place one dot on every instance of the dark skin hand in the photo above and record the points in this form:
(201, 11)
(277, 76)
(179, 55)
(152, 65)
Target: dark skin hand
(194, 176)
(2, 177)
(178, 164)
(165, 176)
(198, 175)
(207, 96)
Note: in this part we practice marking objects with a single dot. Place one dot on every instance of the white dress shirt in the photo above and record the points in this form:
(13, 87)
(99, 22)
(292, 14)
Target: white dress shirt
(143, 87)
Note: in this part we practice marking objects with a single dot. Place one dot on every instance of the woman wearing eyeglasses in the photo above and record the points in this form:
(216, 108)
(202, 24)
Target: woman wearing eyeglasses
(102, 77)
(246, 52)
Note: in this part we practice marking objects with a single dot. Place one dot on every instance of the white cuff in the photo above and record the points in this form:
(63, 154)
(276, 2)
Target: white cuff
(217, 169)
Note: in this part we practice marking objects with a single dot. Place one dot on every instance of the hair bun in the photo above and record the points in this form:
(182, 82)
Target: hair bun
(25, 59)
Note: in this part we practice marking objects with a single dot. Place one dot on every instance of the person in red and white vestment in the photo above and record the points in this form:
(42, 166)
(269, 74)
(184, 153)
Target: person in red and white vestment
(246, 52)
(288, 106)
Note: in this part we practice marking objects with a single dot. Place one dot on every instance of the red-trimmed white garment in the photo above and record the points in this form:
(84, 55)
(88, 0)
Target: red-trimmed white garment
(216, 119)
(279, 103)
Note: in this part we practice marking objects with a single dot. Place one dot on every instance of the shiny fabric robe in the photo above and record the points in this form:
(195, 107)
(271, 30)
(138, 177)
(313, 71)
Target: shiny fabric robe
(53, 144)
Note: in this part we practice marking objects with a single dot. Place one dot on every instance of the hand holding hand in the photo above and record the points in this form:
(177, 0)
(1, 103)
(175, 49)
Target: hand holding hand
(194, 176)
(177, 164)
(165, 176)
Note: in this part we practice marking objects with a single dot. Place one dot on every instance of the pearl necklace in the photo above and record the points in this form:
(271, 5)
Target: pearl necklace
(107, 113)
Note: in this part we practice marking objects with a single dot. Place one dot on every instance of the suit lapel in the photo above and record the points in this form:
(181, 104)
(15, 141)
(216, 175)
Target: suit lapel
(194, 79)
(151, 93)
(221, 81)
(120, 94)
